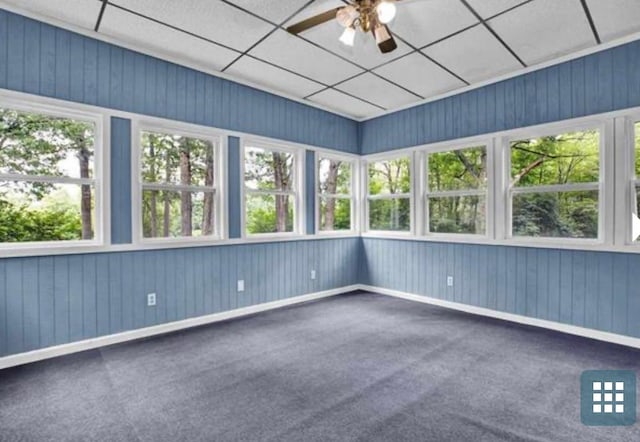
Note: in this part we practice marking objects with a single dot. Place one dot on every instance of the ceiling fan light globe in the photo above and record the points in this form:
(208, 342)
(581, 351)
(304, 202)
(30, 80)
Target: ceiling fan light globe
(345, 16)
(348, 36)
(386, 11)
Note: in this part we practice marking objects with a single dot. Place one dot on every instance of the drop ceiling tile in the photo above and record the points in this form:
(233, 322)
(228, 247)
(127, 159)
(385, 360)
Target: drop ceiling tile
(378, 91)
(553, 29)
(275, 11)
(315, 8)
(489, 8)
(213, 20)
(423, 22)
(264, 74)
(75, 12)
(143, 33)
(344, 103)
(474, 55)
(615, 18)
(420, 75)
(288, 51)
(364, 52)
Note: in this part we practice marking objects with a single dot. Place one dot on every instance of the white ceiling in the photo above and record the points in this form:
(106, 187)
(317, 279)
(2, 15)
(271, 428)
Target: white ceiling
(443, 45)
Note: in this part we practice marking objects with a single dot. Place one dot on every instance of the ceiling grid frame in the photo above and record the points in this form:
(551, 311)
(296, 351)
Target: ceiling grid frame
(322, 86)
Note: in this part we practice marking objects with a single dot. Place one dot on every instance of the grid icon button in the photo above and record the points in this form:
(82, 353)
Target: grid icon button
(608, 397)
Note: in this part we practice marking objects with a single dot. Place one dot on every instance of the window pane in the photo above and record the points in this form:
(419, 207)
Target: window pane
(390, 176)
(556, 214)
(458, 169)
(269, 213)
(334, 176)
(637, 150)
(567, 158)
(268, 170)
(46, 212)
(175, 159)
(38, 144)
(335, 214)
(458, 214)
(177, 214)
(390, 214)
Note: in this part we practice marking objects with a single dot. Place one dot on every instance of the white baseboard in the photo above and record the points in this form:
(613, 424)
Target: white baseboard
(564, 328)
(88, 344)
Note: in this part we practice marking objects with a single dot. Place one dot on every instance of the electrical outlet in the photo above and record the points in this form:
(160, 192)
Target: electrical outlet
(450, 281)
(151, 299)
(241, 285)
(313, 274)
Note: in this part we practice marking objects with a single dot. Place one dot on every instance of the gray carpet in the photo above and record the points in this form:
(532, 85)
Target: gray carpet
(355, 367)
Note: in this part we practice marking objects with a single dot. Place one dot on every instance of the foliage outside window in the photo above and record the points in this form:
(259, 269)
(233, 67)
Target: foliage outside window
(47, 177)
(179, 185)
(555, 185)
(335, 194)
(270, 190)
(456, 199)
(389, 194)
(636, 180)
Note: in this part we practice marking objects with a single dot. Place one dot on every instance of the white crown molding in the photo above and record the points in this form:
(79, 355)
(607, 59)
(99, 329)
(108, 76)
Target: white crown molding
(202, 68)
(164, 56)
(537, 67)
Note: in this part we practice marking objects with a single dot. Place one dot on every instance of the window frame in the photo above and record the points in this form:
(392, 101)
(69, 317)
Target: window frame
(411, 195)
(101, 173)
(628, 182)
(138, 186)
(298, 192)
(353, 196)
(603, 185)
(423, 187)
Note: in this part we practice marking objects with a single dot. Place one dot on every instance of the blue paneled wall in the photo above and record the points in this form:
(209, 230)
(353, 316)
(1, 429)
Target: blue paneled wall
(54, 300)
(597, 83)
(596, 290)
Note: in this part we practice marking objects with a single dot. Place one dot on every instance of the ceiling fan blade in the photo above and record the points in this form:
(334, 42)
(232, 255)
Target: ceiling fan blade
(385, 41)
(313, 21)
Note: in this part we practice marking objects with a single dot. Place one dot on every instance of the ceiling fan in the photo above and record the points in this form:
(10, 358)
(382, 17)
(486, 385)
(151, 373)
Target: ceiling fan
(365, 15)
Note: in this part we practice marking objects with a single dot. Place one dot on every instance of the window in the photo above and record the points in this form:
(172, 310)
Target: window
(271, 190)
(180, 177)
(456, 191)
(335, 194)
(389, 194)
(554, 188)
(636, 177)
(48, 176)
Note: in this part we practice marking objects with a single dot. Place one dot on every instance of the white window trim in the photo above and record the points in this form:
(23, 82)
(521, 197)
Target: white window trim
(611, 224)
(219, 141)
(388, 156)
(355, 190)
(626, 179)
(605, 160)
(299, 160)
(100, 181)
(421, 172)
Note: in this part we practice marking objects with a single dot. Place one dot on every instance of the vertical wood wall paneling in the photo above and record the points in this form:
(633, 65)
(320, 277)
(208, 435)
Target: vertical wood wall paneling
(586, 289)
(42, 59)
(53, 300)
(234, 183)
(120, 181)
(310, 191)
(596, 83)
